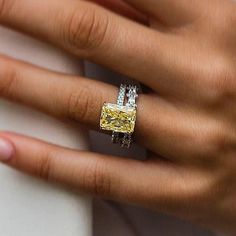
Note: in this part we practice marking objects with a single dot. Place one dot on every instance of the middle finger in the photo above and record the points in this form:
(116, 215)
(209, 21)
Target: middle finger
(90, 31)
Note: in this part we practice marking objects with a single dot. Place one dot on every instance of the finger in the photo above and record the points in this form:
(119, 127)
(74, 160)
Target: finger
(154, 184)
(171, 12)
(95, 33)
(66, 97)
(160, 127)
(72, 98)
(123, 9)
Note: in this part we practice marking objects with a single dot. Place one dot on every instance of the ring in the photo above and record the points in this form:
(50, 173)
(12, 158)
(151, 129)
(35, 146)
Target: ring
(116, 136)
(120, 118)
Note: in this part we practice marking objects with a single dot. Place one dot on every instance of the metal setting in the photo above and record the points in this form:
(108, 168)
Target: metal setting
(120, 118)
(117, 118)
(116, 137)
(132, 96)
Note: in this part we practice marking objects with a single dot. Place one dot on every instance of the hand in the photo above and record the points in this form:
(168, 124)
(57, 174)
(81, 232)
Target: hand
(188, 121)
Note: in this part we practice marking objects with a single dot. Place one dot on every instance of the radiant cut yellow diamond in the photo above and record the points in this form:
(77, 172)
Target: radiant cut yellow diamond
(118, 118)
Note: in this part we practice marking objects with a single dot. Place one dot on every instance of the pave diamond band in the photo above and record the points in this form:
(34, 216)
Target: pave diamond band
(121, 95)
(115, 138)
(120, 118)
(132, 95)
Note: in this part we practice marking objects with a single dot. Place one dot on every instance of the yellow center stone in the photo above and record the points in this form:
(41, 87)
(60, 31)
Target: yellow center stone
(118, 118)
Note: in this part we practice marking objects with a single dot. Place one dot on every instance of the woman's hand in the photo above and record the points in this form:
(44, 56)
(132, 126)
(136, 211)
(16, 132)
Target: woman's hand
(188, 122)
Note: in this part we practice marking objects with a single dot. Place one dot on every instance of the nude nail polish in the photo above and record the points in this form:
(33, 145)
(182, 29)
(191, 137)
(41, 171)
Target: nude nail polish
(6, 150)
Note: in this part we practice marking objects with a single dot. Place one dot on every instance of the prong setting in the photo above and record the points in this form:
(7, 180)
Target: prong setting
(120, 118)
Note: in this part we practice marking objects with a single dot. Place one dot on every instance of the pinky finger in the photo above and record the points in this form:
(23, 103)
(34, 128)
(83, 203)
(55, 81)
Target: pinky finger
(144, 183)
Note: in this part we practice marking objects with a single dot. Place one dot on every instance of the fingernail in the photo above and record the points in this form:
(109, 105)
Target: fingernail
(6, 150)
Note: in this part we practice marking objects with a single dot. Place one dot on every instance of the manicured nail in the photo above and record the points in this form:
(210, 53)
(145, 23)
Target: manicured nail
(6, 150)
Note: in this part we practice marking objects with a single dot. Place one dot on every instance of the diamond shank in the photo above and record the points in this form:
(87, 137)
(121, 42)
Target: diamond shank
(118, 118)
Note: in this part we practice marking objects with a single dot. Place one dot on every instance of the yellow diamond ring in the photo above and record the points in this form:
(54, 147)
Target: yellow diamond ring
(120, 118)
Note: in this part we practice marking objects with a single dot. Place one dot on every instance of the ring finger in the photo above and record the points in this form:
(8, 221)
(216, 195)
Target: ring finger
(80, 99)
(160, 127)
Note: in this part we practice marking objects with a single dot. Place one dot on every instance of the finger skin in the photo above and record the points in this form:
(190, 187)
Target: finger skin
(155, 184)
(160, 127)
(92, 32)
(78, 99)
(124, 9)
(70, 98)
(170, 12)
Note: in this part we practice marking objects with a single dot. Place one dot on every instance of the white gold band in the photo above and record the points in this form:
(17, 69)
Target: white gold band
(131, 94)
(115, 138)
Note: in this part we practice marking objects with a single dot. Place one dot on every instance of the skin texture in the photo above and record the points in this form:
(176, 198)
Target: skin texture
(185, 52)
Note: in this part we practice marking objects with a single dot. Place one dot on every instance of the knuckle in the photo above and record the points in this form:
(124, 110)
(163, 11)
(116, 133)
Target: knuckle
(220, 144)
(86, 30)
(220, 87)
(203, 144)
(212, 143)
(44, 166)
(99, 181)
(78, 104)
(8, 77)
(82, 104)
